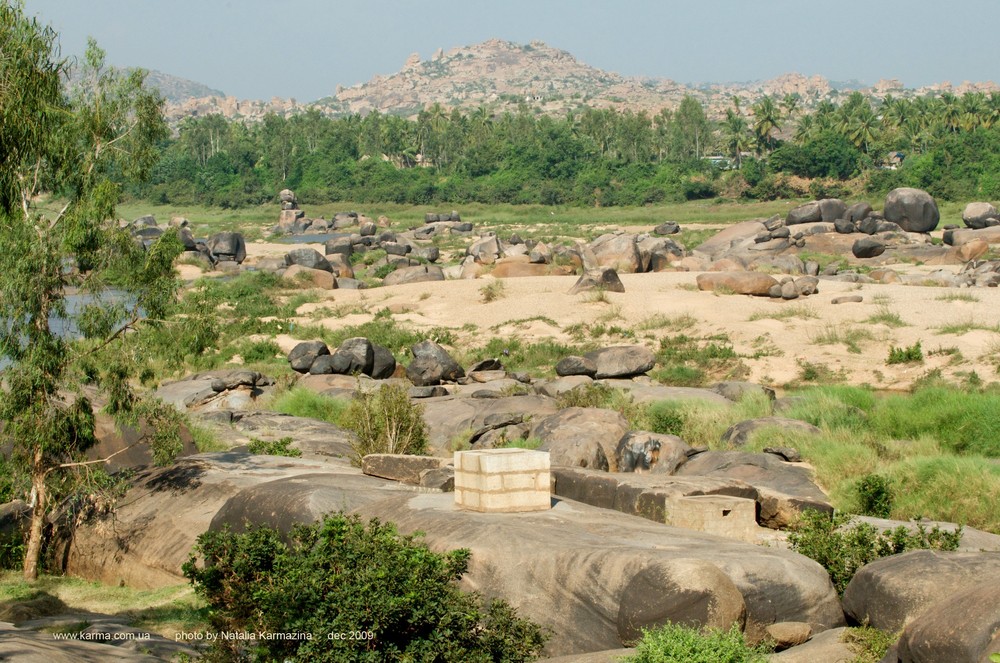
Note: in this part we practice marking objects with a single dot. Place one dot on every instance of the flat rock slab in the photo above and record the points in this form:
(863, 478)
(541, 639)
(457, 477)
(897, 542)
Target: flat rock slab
(314, 438)
(450, 416)
(784, 489)
(822, 647)
(591, 575)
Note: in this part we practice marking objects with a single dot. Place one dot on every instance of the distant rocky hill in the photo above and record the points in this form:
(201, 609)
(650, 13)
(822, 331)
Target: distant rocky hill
(500, 75)
(175, 89)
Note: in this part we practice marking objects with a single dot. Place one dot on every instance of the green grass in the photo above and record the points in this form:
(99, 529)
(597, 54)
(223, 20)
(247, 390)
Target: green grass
(938, 446)
(302, 402)
(205, 439)
(886, 316)
(166, 611)
(957, 297)
(538, 359)
(799, 311)
(851, 337)
(692, 361)
(966, 326)
(682, 644)
(912, 354)
(673, 323)
(868, 643)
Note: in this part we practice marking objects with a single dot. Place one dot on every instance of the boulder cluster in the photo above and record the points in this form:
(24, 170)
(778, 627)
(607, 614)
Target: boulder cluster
(224, 251)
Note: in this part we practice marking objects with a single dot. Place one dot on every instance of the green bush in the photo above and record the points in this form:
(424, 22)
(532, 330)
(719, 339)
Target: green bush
(907, 355)
(282, 447)
(357, 592)
(592, 394)
(666, 418)
(869, 644)
(386, 422)
(842, 549)
(875, 496)
(674, 643)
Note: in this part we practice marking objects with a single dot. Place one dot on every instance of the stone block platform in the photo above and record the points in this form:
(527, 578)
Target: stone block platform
(502, 480)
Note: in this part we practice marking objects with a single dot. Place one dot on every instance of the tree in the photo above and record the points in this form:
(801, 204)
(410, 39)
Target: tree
(691, 128)
(69, 151)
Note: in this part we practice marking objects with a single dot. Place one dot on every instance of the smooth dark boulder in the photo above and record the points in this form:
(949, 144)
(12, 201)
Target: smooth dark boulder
(574, 365)
(858, 211)
(867, 248)
(806, 213)
(581, 437)
(302, 355)
(914, 210)
(831, 209)
(892, 592)
(621, 361)
(603, 278)
(228, 246)
(310, 258)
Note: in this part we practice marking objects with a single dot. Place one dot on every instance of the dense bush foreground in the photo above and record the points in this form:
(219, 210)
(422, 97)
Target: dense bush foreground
(354, 592)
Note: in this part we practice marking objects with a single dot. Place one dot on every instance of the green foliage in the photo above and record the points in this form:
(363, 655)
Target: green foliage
(281, 447)
(692, 361)
(592, 394)
(385, 422)
(303, 402)
(868, 643)
(391, 597)
(682, 644)
(842, 548)
(908, 355)
(875, 496)
(56, 144)
(666, 418)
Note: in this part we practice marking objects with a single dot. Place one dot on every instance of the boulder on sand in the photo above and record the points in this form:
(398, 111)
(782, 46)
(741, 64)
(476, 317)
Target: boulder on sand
(740, 283)
(914, 210)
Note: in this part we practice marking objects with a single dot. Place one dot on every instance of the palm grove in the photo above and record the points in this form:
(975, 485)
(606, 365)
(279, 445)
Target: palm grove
(590, 156)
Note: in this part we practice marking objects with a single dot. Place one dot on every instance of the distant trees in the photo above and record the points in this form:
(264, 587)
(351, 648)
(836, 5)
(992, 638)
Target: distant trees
(590, 156)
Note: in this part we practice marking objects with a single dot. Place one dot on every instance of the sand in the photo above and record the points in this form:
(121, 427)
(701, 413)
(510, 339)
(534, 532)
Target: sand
(774, 349)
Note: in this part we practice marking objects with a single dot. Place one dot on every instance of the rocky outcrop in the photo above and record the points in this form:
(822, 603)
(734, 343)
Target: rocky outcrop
(621, 361)
(581, 437)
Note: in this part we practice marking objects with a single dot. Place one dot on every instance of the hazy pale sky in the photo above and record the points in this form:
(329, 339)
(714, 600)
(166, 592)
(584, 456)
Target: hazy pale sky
(305, 48)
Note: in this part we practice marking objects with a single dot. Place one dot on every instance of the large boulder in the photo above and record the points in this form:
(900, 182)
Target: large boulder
(302, 356)
(893, 591)
(306, 277)
(740, 283)
(432, 364)
(914, 210)
(832, 209)
(307, 257)
(980, 215)
(621, 361)
(581, 437)
(459, 420)
(617, 250)
(575, 365)
(867, 247)
(806, 213)
(228, 246)
(416, 274)
(822, 647)
(962, 627)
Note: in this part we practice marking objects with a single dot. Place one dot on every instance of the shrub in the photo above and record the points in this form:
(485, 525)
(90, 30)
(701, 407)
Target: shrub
(682, 644)
(390, 596)
(386, 422)
(842, 549)
(875, 496)
(280, 447)
(593, 394)
(492, 291)
(911, 354)
(666, 418)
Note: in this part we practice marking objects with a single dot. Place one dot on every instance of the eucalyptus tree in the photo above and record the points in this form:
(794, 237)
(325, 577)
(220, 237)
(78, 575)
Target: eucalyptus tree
(62, 157)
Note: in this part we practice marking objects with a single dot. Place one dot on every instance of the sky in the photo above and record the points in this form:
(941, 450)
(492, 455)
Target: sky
(303, 49)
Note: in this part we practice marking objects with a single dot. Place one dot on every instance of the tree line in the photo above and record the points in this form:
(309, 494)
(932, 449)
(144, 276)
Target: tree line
(589, 157)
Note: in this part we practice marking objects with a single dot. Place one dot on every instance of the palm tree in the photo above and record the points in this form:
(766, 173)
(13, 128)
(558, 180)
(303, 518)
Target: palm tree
(735, 136)
(767, 119)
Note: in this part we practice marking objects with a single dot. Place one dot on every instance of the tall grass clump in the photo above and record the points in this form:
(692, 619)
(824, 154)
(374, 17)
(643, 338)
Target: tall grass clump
(385, 422)
(955, 489)
(302, 402)
(701, 423)
(966, 422)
